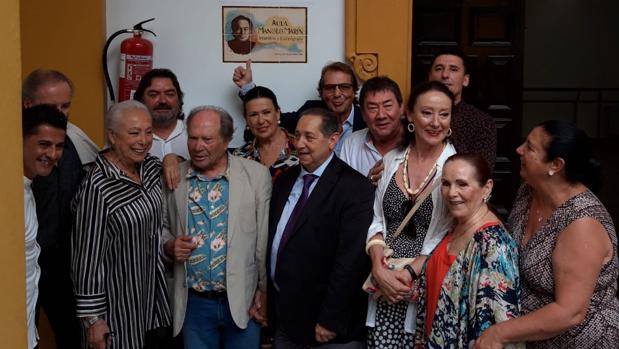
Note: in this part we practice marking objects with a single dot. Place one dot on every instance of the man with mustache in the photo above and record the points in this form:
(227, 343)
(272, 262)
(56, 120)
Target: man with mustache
(160, 91)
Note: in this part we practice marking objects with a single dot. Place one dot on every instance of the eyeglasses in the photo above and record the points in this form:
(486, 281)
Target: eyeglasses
(330, 88)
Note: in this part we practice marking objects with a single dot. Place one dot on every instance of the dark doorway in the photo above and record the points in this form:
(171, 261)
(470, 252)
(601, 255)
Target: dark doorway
(490, 33)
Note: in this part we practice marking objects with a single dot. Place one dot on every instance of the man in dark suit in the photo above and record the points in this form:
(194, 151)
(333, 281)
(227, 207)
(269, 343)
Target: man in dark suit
(337, 87)
(319, 216)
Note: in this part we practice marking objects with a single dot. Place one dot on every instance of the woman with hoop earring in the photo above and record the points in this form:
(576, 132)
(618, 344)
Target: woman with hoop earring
(410, 217)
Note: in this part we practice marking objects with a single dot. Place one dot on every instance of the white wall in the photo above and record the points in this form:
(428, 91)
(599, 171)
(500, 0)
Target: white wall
(189, 43)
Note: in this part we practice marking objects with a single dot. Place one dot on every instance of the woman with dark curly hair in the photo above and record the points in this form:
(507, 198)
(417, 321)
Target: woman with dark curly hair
(568, 247)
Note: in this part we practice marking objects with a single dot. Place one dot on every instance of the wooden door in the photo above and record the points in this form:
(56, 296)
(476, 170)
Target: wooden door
(490, 33)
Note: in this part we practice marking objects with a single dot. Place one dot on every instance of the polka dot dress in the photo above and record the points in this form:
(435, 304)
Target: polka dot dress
(389, 330)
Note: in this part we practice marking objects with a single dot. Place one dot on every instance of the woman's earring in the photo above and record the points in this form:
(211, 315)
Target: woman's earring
(279, 121)
(487, 198)
(410, 127)
(449, 132)
(551, 173)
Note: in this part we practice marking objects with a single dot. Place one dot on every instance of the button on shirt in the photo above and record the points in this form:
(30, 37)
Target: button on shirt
(294, 196)
(176, 143)
(207, 223)
(33, 271)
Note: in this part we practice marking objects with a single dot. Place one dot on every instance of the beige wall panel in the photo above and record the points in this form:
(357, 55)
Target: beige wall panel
(379, 39)
(68, 35)
(12, 258)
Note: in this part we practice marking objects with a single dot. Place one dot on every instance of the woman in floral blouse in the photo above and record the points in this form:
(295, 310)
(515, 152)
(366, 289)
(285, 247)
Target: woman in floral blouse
(271, 145)
(470, 281)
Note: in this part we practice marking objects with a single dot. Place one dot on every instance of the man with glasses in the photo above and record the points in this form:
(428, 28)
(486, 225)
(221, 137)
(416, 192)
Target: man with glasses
(337, 88)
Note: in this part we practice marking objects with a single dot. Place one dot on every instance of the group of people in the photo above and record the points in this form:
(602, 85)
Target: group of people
(336, 226)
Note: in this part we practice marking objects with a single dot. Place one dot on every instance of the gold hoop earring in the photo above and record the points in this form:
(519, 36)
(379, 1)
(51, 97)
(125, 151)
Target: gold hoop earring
(410, 127)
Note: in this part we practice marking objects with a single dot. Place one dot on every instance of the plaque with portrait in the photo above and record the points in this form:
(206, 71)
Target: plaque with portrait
(264, 34)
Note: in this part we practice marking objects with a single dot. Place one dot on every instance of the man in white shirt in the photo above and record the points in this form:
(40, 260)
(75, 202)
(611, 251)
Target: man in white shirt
(160, 91)
(53, 194)
(381, 106)
(43, 129)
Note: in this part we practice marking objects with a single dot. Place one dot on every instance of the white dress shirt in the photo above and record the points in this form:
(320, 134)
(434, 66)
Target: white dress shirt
(359, 152)
(176, 143)
(33, 272)
(87, 150)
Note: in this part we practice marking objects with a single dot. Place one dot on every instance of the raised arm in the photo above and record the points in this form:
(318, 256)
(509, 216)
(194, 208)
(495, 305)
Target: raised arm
(242, 77)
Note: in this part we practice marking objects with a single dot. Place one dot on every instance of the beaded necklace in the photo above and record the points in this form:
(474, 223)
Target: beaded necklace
(423, 184)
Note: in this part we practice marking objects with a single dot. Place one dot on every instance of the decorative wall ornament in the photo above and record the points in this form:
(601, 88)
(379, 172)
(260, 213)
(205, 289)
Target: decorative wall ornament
(365, 65)
(378, 39)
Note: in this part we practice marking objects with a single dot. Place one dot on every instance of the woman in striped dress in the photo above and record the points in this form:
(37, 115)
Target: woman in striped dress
(117, 271)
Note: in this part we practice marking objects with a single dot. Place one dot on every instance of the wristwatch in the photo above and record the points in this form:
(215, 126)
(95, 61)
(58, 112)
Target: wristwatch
(89, 321)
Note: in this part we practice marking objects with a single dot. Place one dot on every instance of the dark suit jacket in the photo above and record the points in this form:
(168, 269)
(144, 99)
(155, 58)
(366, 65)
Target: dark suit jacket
(323, 264)
(289, 120)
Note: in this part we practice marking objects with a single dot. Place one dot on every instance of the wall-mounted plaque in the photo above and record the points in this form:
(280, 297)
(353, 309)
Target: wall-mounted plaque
(264, 34)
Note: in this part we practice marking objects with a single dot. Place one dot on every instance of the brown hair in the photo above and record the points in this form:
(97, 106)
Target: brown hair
(419, 90)
(478, 162)
(341, 67)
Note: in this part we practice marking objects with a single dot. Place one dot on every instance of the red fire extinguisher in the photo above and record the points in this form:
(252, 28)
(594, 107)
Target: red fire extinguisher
(136, 59)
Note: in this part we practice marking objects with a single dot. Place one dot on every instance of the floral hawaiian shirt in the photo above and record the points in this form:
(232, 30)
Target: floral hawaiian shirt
(207, 223)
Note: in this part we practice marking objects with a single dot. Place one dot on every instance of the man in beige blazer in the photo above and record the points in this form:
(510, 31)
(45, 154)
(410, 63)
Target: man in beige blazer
(215, 233)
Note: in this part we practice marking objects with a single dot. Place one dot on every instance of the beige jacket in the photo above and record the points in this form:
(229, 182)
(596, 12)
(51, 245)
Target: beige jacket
(248, 212)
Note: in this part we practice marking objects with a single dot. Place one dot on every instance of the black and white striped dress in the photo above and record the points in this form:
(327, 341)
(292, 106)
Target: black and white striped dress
(116, 267)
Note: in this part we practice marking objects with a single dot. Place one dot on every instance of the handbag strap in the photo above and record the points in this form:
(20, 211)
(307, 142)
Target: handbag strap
(418, 201)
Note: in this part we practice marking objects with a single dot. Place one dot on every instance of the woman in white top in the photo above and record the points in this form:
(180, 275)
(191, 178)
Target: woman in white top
(410, 174)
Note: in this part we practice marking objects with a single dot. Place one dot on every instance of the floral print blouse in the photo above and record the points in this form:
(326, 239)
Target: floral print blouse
(287, 158)
(481, 288)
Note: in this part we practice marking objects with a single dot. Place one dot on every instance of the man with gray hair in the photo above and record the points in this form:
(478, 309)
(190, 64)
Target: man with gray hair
(53, 194)
(215, 234)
